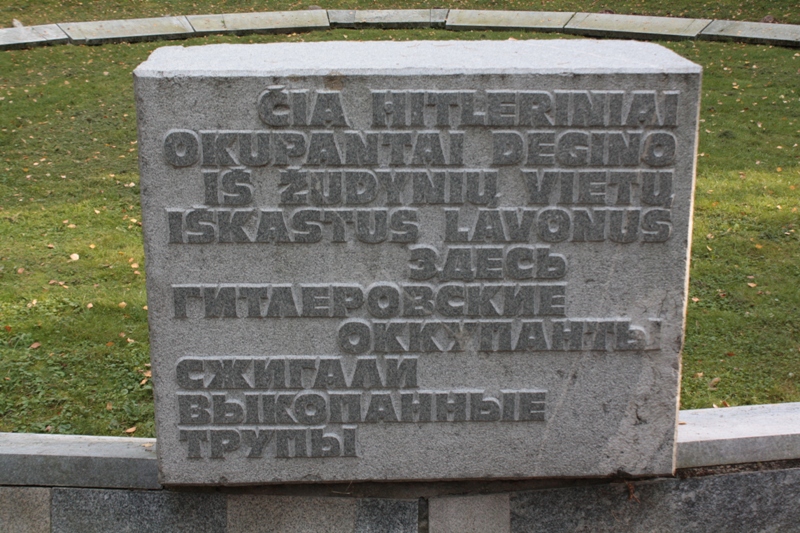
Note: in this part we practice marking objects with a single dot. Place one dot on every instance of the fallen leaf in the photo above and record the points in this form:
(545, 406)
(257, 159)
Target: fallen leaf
(92, 246)
(143, 381)
(89, 305)
(713, 384)
(110, 344)
(681, 423)
(72, 226)
(8, 328)
(751, 284)
(134, 265)
(109, 406)
(695, 299)
(725, 404)
(699, 375)
(122, 305)
(148, 373)
(20, 270)
(144, 307)
(35, 345)
(122, 334)
(759, 246)
(147, 445)
(715, 406)
(51, 246)
(131, 341)
(730, 354)
(74, 257)
(130, 430)
(52, 282)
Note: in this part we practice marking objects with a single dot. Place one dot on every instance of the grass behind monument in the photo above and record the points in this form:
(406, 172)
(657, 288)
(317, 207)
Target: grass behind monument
(73, 328)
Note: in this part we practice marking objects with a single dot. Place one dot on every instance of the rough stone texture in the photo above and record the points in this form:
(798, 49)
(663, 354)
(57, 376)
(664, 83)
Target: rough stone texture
(342, 18)
(747, 434)
(470, 514)
(634, 26)
(393, 18)
(130, 511)
(29, 36)
(753, 32)
(77, 461)
(130, 30)
(267, 22)
(220, 302)
(24, 510)
(248, 513)
(469, 19)
(387, 516)
(760, 501)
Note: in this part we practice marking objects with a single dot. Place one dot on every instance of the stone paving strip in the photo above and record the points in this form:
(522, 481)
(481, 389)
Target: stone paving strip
(635, 26)
(470, 19)
(77, 461)
(747, 434)
(753, 32)
(387, 18)
(266, 22)
(589, 24)
(29, 36)
(393, 18)
(129, 30)
(706, 437)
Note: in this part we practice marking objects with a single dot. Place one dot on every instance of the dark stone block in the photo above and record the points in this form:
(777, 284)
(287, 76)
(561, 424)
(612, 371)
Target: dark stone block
(387, 516)
(752, 501)
(121, 511)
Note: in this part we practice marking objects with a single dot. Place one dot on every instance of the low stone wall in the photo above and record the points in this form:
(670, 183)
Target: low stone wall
(738, 470)
(589, 24)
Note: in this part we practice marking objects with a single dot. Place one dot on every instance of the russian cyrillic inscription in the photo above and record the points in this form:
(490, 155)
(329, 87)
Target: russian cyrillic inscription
(416, 260)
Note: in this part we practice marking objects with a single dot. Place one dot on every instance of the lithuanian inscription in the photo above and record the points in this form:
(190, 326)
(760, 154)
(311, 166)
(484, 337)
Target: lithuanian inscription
(338, 264)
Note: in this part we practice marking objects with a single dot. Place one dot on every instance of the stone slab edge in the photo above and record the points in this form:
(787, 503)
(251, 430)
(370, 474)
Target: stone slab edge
(127, 30)
(78, 461)
(754, 433)
(752, 32)
(29, 36)
(706, 437)
(264, 22)
(473, 19)
(724, 30)
(387, 18)
(622, 26)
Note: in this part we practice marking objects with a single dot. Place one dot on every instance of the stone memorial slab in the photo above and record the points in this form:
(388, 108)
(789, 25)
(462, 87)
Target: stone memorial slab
(635, 26)
(275, 21)
(417, 260)
(472, 19)
(110, 31)
(753, 32)
(29, 36)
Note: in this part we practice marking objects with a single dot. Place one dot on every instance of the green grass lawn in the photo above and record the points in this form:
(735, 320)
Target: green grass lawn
(73, 327)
